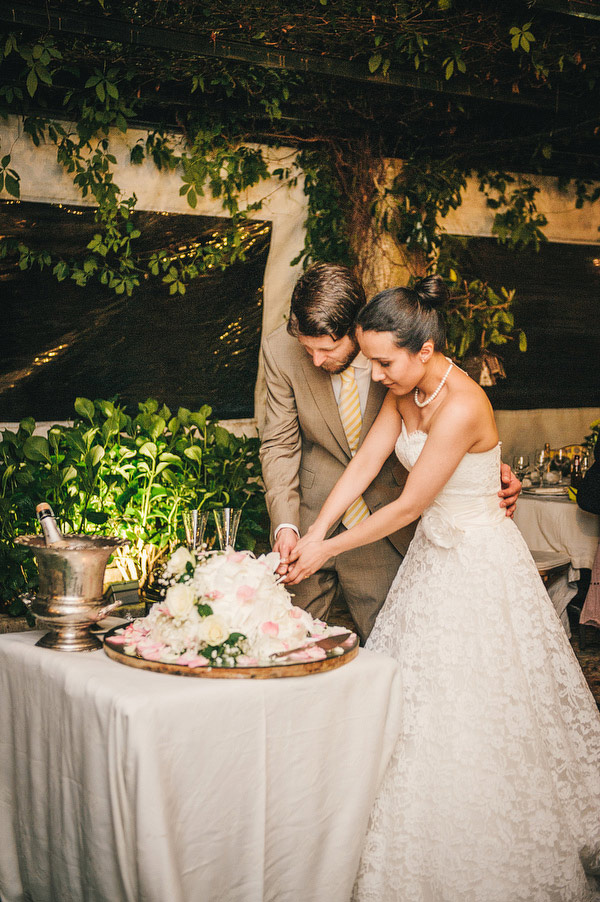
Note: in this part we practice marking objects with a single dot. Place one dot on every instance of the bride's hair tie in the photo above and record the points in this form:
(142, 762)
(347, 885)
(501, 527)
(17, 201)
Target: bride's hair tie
(412, 315)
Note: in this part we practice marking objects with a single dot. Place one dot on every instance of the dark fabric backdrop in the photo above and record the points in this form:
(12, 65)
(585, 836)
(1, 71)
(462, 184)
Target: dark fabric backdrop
(557, 303)
(58, 341)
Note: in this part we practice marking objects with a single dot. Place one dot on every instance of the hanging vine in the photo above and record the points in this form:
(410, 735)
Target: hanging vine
(212, 117)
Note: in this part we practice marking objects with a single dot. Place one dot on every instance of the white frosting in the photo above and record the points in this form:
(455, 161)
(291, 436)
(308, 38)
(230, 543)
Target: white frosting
(244, 597)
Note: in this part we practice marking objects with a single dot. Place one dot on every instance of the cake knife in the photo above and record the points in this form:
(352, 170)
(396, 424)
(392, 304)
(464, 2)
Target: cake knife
(327, 643)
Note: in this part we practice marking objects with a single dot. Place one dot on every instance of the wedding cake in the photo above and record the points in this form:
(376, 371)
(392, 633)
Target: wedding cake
(223, 609)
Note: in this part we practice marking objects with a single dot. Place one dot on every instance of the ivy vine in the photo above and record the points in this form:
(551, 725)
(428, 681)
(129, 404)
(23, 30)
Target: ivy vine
(100, 86)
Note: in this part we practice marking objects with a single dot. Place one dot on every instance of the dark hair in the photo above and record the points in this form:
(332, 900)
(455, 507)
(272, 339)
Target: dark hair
(411, 314)
(325, 301)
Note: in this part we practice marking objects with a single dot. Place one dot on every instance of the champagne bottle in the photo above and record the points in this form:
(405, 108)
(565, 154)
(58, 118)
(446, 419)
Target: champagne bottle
(576, 475)
(52, 534)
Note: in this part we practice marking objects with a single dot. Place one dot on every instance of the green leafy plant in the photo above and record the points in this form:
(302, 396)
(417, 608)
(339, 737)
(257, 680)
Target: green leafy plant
(113, 474)
(478, 318)
(517, 222)
(592, 439)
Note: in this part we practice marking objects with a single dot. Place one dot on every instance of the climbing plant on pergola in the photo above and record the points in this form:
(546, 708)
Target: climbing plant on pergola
(448, 87)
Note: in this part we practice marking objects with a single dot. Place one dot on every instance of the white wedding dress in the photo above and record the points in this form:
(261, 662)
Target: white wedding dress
(493, 791)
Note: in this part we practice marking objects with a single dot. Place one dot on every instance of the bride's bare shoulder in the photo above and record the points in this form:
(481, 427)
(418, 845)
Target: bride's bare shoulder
(468, 410)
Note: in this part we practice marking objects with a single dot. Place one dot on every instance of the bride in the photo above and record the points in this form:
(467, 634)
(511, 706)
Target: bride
(493, 791)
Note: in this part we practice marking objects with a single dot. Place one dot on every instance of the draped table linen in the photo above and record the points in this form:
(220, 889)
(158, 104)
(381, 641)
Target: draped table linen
(558, 525)
(120, 784)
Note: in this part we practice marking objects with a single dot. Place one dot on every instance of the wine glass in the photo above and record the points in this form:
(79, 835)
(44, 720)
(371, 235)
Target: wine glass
(561, 462)
(194, 523)
(227, 520)
(520, 465)
(542, 462)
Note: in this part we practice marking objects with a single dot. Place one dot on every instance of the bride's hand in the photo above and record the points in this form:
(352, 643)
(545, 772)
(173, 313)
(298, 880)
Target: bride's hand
(308, 556)
(310, 537)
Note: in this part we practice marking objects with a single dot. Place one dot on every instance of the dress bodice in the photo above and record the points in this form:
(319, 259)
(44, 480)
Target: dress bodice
(469, 500)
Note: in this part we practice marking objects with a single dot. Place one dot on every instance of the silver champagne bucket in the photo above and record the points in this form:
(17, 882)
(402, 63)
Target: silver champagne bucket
(69, 599)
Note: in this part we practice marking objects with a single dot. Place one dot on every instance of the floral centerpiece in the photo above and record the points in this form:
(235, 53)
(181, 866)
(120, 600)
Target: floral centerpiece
(222, 609)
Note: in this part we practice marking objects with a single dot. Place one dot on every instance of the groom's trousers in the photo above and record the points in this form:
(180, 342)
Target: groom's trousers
(361, 576)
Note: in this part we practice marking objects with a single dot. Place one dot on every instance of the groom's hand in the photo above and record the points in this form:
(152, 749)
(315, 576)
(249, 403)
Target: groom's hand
(511, 488)
(284, 544)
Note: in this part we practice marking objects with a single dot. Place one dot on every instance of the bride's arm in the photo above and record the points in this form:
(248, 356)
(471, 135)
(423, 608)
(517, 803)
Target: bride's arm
(451, 436)
(362, 469)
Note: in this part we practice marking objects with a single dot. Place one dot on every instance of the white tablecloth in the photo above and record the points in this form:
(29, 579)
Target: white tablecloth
(558, 525)
(551, 525)
(119, 784)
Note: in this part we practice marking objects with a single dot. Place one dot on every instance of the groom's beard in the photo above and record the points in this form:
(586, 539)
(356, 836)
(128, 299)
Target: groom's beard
(334, 368)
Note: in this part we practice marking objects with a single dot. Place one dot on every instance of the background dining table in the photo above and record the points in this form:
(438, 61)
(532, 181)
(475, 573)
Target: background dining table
(118, 785)
(553, 523)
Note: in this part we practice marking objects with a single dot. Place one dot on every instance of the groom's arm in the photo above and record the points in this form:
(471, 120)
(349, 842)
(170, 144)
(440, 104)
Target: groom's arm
(511, 488)
(280, 453)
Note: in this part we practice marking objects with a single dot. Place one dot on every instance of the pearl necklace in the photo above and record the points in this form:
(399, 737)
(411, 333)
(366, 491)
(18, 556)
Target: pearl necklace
(434, 395)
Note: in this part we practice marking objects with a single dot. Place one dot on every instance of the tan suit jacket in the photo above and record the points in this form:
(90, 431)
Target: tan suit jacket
(304, 448)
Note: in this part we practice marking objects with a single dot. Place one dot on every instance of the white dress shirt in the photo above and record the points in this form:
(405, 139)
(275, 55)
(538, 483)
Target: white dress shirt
(362, 374)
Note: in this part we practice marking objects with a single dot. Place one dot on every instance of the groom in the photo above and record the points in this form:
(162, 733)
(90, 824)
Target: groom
(321, 403)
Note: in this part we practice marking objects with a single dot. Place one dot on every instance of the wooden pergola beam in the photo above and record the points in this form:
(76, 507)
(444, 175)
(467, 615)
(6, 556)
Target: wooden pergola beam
(580, 9)
(110, 29)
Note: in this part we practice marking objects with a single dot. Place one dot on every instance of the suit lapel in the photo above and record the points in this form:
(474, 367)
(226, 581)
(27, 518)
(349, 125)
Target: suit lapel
(321, 389)
(377, 393)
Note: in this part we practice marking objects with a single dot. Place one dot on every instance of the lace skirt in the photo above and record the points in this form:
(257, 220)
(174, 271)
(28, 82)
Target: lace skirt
(493, 792)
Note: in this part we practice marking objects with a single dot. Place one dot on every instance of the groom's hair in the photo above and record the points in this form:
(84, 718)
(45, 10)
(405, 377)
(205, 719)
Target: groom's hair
(325, 301)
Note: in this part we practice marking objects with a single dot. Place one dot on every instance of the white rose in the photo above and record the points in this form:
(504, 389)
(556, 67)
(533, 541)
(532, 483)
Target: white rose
(179, 560)
(179, 601)
(212, 630)
(440, 528)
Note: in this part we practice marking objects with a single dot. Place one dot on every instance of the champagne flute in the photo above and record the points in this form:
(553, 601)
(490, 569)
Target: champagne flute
(194, 522)
(227, 520)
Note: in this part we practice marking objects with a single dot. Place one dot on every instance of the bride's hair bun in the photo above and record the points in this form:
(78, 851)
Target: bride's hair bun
(431, 292)
(412, 315)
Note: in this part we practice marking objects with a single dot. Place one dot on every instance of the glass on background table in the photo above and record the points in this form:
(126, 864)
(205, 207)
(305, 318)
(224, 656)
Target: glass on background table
(520, 465)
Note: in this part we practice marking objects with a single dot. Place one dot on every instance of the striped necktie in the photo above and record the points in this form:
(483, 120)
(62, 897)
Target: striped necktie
(350, 415)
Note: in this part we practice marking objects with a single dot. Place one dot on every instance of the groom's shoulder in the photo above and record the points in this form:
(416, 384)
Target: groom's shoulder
(283, 346)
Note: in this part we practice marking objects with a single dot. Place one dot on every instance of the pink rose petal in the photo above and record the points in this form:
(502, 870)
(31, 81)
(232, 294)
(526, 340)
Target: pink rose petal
(245, 593)
(299, 656)
(270, 629)
(315, 653)
(119, 640)
(192, 660)
(152, 651)
(150, 654)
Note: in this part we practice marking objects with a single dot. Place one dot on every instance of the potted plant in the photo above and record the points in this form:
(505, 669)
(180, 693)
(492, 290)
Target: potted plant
(112, 474)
